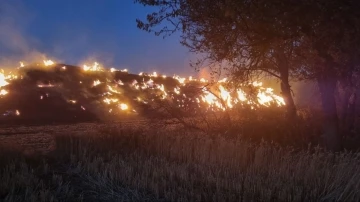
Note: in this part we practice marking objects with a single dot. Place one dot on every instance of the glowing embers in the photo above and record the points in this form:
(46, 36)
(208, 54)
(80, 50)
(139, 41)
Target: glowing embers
(177, 90)
(123, 106)
(94, 67)
(96, 83)
(110, 100)
(223, 98)
(212, 100)
(113, 90)
(267, 97)
(3, 92)
(3, 81)
(49, 85)
(163, 92)
(154, 74)
(180, 79)
(48, 62)
(120, 82)
(12, 113)
(22, 64)
(202, 80)
(241, 95)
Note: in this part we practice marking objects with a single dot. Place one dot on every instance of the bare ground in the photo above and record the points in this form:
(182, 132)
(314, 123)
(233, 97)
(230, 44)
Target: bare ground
(31, 139)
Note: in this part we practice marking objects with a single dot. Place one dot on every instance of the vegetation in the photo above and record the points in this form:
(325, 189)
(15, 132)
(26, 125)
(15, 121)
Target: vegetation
(173, 164)
(297, 40)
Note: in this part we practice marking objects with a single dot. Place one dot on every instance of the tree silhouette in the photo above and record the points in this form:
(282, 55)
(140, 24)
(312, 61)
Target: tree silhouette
(303, 39)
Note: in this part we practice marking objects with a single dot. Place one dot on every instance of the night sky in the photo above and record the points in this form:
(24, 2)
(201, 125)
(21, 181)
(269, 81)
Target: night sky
(74, 31)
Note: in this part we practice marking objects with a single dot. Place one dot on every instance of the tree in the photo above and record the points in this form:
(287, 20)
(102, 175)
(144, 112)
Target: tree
(302, 39)
(243, 33)
(332, 37)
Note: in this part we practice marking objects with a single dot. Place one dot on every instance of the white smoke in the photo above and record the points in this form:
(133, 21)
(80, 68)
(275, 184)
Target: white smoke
(15, 44)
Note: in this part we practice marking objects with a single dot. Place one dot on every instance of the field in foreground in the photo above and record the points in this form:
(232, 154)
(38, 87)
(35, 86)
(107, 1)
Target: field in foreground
(114, 163)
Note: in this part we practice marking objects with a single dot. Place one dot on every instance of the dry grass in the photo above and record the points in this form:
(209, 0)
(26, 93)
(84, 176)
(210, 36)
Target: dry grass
(136, 165)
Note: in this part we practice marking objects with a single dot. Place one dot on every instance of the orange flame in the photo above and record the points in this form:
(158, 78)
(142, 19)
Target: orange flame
(48, 62)
(3, 81)
(123, 106)
(94, 67)
(3, 92)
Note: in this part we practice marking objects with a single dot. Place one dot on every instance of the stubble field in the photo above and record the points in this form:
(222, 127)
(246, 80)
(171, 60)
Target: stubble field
(150, 162)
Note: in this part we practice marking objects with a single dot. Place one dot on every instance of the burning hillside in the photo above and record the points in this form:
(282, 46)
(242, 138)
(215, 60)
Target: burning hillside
(59, 92)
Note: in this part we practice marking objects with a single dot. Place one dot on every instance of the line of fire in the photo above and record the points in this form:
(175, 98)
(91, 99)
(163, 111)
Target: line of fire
(52, 92)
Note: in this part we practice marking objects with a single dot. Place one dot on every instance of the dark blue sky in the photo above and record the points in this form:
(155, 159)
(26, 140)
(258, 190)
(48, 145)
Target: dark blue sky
(73, 31)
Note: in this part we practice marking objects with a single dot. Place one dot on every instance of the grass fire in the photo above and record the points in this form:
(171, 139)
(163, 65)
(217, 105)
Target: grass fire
(71, 93)
(163, 100)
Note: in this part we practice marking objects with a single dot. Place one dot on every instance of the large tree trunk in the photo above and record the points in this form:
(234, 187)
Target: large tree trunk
(289, 101)
(348, 100)
(351, 113)
(327, 86)
(348, 112)
(345, 105)
(285, 86)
